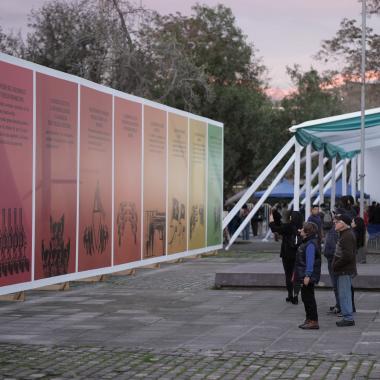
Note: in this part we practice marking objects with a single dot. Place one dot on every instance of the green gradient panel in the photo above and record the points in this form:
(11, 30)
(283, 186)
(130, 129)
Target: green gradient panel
(214, 185)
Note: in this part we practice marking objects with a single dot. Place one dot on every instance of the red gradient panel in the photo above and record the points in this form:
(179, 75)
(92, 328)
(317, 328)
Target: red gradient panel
(16, 158)
(56, 176)
(127, 230)
(95, 186)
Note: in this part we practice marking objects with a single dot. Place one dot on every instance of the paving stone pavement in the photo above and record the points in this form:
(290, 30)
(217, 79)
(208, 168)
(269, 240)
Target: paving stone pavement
(170, 323)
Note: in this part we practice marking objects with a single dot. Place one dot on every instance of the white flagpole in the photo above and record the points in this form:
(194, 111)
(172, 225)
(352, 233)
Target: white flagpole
(362, 127)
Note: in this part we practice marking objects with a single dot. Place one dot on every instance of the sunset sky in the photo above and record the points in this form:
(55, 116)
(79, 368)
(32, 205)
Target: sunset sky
(284, 31)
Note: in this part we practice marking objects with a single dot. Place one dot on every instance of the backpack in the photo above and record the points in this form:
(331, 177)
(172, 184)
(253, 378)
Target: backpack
(327, 221)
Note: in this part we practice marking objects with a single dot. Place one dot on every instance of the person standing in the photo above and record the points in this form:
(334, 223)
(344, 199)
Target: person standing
(289, 245)
(359, 228)
(243, 214)
(327, 219)
(308, 273)
(315, 217)
(348, 203)
(344, 267)
(255, 223)
(276, 213)
(331, 238)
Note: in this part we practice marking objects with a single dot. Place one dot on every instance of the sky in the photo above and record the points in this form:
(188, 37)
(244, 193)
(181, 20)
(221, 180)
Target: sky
(285, 32)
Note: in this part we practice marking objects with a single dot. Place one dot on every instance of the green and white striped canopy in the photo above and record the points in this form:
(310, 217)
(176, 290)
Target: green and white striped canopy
(340, 135)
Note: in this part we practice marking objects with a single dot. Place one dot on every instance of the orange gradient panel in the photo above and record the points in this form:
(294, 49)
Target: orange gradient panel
(16, 157)
(127, 223)
(56, 176)
(95, 186)
(154, 222)
(177, 183)
(197, 189)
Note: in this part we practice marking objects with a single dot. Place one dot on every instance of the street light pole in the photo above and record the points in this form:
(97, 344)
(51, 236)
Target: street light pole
(362, 126)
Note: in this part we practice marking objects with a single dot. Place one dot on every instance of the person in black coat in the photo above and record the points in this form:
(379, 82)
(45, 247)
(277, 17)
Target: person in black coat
(289, 245)
(360, 231)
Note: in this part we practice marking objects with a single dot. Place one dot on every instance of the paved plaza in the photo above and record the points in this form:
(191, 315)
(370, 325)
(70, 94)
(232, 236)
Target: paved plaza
(170, 323)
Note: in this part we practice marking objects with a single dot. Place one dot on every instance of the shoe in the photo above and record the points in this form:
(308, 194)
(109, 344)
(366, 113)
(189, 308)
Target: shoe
(344, 323)
(339, 315)
(288, 299)
(310, 325)
(302, 325)
(333, 310)
(294, 300)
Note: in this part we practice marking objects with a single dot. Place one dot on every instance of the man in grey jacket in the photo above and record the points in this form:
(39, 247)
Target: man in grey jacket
(344, 267)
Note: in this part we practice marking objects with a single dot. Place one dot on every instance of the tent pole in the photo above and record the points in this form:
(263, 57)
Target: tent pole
(333, 183)
(320, 176)
(362, 129)
(344, 177)
(308, 181)
(353, 176)
(297, 171)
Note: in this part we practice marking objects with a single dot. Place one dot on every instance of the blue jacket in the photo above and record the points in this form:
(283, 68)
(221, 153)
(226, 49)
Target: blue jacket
(301, 261)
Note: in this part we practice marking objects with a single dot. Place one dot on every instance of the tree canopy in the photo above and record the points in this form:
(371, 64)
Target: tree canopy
(345, 48)
(315, 96)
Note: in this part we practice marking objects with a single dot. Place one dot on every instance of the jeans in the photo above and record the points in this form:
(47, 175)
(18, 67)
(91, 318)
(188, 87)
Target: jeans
(334, 281)
(246, 232)
(345, 296)
(308, 299)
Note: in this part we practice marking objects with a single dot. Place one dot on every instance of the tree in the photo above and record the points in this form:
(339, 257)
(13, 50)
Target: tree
(10, 44)
(345, 48)
(346, 45)
(314, 98)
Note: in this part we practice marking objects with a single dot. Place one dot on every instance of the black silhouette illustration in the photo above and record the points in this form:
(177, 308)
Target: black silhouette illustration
(13, 244)
(126, 215)
(55, 258)
(177, 227)
(197, 218)
(155, 222)
(96, 236)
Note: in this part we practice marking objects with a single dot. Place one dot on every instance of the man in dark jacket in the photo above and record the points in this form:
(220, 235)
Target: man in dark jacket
(344, 267)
